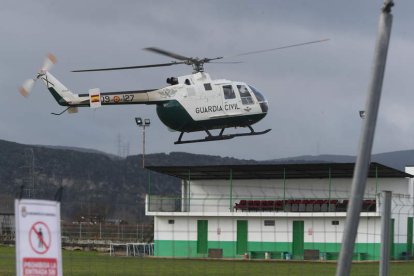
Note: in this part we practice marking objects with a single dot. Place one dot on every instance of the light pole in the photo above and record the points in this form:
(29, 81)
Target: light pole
(143, 123)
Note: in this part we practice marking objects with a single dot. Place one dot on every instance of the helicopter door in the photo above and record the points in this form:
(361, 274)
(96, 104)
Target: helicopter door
(231, 103)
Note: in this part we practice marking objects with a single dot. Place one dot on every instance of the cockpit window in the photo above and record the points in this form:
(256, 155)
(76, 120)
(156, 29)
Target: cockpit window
(228, 92)
(245, 95)
(260, 98)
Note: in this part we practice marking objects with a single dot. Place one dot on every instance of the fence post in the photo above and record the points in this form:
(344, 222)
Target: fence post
(189, 189)
(231, 191)
(284, 189)
(330, 188)
(385, 233)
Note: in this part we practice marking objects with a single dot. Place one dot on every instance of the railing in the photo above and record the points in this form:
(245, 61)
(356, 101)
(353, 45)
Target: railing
(163, 203)
(302, 205)
(225, 204)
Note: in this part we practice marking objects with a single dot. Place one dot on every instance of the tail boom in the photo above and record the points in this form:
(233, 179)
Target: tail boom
(65, 97)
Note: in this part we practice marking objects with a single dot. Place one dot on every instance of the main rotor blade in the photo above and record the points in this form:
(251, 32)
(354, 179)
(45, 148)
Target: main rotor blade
(226, 62)
(166, 53)
(278, 48)
(131, 67)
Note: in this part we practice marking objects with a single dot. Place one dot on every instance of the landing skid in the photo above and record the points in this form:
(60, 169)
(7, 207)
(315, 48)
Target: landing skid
(219, 137)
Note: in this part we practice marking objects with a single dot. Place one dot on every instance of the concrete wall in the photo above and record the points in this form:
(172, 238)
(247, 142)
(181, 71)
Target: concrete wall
(180, 239)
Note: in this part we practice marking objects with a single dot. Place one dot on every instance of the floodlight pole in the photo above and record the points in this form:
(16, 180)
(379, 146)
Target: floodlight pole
(143, 146)
(366, 140)
(143, 123)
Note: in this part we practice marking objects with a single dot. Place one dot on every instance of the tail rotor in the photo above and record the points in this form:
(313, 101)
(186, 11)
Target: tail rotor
(28, 84)
(50, 60)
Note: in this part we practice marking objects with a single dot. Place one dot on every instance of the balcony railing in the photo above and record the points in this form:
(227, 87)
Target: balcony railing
(223, 204)
(302, 205)
(163, 203)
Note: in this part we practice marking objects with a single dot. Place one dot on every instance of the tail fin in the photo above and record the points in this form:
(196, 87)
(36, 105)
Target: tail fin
(61, 93)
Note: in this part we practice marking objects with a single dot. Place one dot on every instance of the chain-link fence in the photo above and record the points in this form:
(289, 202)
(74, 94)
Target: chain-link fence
(281, 231)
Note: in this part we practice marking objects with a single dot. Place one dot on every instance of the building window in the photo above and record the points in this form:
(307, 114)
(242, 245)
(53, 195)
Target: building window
(269, 223)
(170, 221)
(335, 222)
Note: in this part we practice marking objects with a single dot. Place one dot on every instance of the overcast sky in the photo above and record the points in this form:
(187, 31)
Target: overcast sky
(314, 92)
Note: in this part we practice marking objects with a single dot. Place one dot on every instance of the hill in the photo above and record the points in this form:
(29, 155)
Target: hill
(396, 159)
(99, 184)
(94, 183)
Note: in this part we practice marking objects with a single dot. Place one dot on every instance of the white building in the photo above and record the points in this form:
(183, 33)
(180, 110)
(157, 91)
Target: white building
(276, 211)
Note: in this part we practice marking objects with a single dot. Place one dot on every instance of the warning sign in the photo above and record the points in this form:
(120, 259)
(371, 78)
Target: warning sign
(39, 237)
(38, 243)
(39, 266)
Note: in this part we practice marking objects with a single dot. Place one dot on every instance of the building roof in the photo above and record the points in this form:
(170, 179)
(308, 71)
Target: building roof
(276, 171)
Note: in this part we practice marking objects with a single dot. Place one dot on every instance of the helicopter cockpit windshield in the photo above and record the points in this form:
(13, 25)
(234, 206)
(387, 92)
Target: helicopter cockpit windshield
(260, 98)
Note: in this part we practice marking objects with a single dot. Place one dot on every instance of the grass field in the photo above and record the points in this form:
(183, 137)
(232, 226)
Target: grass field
(92, 263)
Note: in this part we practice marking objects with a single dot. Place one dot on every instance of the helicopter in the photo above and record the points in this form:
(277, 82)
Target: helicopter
(190, 103)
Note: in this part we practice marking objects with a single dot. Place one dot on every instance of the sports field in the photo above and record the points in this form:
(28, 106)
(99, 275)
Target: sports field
(92, 263)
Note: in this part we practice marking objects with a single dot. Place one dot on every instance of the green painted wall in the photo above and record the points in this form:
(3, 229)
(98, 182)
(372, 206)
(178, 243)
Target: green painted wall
(188, 249)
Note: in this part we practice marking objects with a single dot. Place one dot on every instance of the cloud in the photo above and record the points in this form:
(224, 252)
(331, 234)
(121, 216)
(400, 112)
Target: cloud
(315, 92)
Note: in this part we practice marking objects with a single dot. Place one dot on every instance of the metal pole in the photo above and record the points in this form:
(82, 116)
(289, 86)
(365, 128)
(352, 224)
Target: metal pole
(143, 146)
(376, 181)
(385, 234)
(284, 189)
(149, 190)
(329, 192)
(189, 187)
(231, 191)
(366, 141)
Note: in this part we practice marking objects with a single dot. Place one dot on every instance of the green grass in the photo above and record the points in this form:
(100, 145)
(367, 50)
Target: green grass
(92, 263)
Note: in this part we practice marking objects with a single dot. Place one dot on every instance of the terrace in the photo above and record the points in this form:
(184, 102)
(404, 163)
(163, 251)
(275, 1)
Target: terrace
(280, 190)
(251, 207)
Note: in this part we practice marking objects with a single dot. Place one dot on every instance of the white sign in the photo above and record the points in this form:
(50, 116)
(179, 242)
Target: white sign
(38, 243)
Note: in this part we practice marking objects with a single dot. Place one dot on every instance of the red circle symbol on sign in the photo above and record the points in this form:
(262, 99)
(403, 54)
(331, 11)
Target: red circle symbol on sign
(39, 237)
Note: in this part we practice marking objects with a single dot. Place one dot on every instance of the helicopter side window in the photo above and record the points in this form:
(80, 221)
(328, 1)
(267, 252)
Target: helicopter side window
(187, 82)
(207, 86)
(245, 96)
(228, 92)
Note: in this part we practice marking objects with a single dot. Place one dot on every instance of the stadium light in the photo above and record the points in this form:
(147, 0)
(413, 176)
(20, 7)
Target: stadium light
(143, 123)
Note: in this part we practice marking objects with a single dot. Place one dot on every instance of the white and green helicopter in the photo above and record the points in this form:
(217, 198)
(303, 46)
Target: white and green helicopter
(189, 103)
